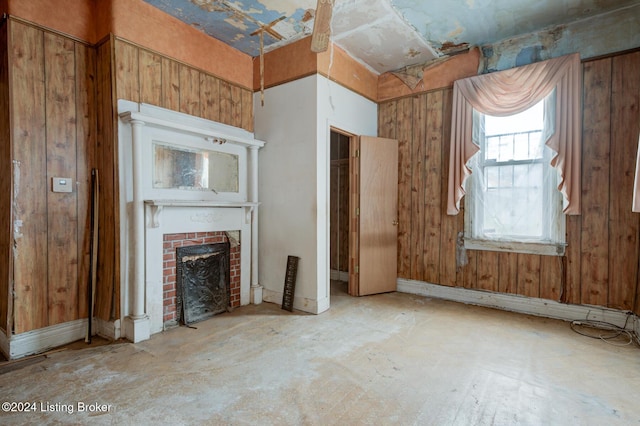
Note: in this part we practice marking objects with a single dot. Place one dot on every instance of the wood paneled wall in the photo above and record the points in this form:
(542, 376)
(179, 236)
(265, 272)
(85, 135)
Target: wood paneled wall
(5, 182)
(53, 134)
(107, 289)
(63, 111)
(601, 263)
(145, 76)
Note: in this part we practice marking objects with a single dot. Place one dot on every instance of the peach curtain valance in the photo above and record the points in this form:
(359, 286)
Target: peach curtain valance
(512, 91)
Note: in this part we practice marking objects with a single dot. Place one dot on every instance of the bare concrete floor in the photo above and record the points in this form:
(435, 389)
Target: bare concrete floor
(386, 359)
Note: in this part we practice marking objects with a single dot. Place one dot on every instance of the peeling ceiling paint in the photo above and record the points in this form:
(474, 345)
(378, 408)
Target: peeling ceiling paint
(384, 34)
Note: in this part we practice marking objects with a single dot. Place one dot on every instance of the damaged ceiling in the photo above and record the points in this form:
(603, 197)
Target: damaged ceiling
(383, 34)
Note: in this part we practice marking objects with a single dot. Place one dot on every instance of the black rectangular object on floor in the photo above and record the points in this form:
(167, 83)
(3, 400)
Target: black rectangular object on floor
(290, 283)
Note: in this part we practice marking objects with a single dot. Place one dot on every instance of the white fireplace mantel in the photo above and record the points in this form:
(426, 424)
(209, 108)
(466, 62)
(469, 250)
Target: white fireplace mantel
(149, 212)
(156, 207)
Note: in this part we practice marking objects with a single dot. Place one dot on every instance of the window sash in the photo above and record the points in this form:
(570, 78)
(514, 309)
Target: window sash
(550, 240)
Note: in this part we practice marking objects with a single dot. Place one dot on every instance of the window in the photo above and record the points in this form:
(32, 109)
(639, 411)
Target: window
(513, 203)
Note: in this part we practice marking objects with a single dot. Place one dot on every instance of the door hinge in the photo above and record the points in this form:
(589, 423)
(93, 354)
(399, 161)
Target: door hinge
(357, 211)
(356, 269)
(357, 153)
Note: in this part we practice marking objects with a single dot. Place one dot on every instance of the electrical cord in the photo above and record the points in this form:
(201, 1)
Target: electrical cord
(604, 331)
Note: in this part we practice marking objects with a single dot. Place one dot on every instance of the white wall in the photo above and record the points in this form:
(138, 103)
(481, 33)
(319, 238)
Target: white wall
(294, 181)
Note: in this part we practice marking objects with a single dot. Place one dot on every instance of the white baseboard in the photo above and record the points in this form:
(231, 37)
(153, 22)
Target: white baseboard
(43, 339)
(339, 275)
(299, 303)
(109, 329)
(520, 304)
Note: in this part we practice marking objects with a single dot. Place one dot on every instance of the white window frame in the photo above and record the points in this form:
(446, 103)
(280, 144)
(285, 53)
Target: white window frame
(474, 211)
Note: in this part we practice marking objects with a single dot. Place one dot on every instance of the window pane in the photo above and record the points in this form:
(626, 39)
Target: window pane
(506, 148)
(492, 175)
(506, 176)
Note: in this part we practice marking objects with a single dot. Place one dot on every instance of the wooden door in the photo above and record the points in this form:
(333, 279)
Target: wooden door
(373, 207)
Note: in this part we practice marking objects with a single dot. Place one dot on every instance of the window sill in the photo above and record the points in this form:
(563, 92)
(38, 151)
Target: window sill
(546, 249)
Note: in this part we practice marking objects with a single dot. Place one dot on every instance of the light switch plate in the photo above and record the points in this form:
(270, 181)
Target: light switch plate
(61, 184)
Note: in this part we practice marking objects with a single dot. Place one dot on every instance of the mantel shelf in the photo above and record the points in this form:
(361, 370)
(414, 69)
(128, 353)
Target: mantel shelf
(157, 206)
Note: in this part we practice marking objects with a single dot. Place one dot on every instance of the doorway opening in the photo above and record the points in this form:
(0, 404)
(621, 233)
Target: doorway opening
(363, 213)
(339, 209)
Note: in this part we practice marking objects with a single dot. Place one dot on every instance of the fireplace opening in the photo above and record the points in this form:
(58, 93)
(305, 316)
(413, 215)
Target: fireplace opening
(203, 281)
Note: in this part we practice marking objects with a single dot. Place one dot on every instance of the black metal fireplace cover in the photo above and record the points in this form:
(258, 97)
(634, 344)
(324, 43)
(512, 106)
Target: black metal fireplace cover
(202, 281)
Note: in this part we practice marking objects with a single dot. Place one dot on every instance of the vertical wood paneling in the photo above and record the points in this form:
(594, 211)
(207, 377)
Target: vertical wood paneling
(432, 182)
(5, 183)
(404, 112)
(189, 90)
(488, 270)
(30, 179)
(150, 67)
(334, 216)
(595, 182)
(623, 223)
(550, 277)
(467, 276)
(146, 76)
(387, 120)
(86, 143)
(127, 75)
(108, 263)
(225, 102)
(450, 225)
(343, 202)
(508, 272)
(572, 293)
(247, 110)
(170, 84)
(62, 207)
(236, 106)
(528, 275)
(418, 141)
(210, 97)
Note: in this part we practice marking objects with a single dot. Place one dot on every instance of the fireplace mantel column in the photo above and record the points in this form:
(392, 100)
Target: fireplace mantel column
(256, 288)
(137, 327)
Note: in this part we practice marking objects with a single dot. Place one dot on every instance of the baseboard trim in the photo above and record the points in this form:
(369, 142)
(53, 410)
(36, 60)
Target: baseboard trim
(43, 339)
(339, 275)
(299, 303)
(109, 329)
(520, 304)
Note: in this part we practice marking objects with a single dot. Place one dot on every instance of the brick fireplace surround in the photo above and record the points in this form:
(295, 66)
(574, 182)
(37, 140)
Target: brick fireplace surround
(170, 243)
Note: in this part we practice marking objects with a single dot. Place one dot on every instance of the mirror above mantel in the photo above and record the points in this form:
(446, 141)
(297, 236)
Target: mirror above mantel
(194, 169)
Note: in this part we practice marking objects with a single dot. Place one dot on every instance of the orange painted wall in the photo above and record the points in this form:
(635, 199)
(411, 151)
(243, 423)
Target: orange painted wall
(296, 60)
(339, 66)
(140, 23)
(287, 63)
(71, 17)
